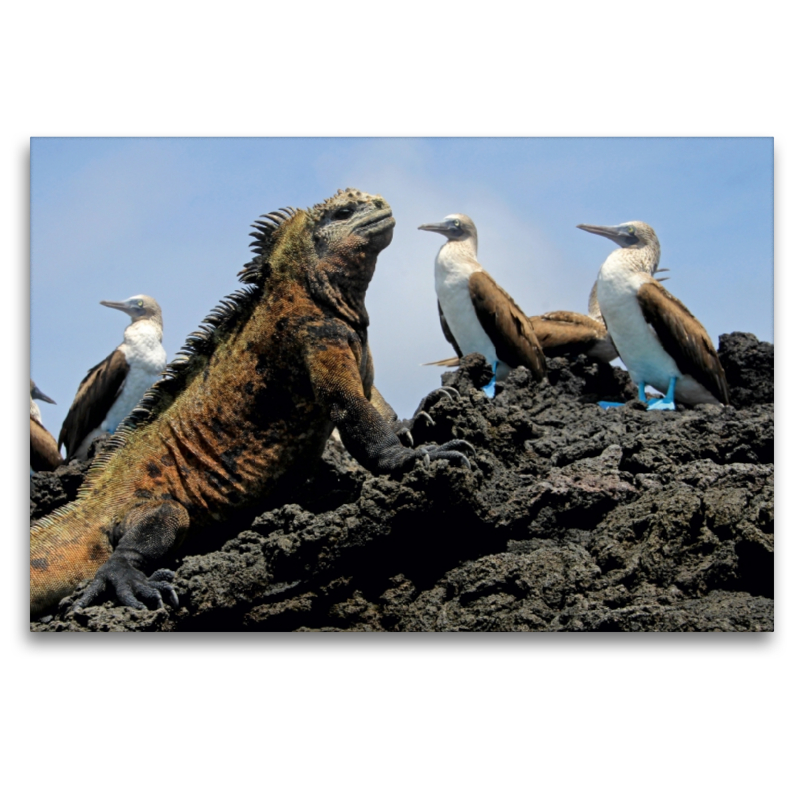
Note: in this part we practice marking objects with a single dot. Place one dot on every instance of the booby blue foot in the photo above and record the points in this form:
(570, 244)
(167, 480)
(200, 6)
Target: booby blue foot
(609, 404)
(490, 387)
(664, 403)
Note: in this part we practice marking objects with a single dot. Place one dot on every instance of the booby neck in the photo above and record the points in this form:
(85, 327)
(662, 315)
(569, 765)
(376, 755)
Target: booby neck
(466, 249)
(35, 413)
(632, 260)
(147, 332)
(456, 261)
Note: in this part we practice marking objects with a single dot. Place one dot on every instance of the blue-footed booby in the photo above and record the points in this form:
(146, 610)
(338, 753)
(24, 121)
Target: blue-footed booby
(658, 339)
(45, 455)
(477, 315)
(111, 390)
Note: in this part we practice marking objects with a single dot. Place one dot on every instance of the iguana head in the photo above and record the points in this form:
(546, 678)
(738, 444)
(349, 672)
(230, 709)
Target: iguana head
(347, 231)
(350, 221)
(331, 247)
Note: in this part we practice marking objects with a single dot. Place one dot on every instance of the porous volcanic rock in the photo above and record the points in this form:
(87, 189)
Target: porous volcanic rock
(573, 518)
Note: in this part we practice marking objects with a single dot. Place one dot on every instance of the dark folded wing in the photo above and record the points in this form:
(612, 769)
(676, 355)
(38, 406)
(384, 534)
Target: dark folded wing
(96, 394)
(447, 332)
(684, 338)
(44, 450)
(509, 329)
(567, 333)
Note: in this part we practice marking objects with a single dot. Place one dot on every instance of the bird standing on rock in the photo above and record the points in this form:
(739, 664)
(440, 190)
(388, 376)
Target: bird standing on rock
(477, 315)
(113, 388)
(45, 455)
(657, 337)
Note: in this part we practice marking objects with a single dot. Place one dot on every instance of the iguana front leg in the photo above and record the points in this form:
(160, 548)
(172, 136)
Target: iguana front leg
(148, 533)
(366, 434)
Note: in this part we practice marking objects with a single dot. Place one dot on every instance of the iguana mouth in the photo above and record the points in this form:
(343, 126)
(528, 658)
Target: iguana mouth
(377, 223)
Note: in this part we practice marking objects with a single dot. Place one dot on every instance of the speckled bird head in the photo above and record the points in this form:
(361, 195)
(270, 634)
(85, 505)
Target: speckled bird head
(632, 236)
(456, 227)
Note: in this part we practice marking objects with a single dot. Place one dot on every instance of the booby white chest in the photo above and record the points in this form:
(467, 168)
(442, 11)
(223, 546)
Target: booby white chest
(635, 340)
(146, 359)
(452, 273)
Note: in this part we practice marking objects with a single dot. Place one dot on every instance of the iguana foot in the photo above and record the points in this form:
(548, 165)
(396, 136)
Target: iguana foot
(429, 399)
(403, 427)
(131, 586)
(404, 435)
(448, 451)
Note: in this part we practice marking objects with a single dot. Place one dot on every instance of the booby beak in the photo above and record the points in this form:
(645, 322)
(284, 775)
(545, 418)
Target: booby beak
(129, 306)
(617, 233)
(437, 227)
(37, 394)
(122, 305)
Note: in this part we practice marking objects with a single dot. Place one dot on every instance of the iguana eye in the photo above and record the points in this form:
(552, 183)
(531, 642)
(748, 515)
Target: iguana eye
(343, 213)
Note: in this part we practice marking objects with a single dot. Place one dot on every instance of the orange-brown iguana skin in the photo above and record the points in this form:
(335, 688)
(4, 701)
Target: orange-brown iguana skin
(247, 407)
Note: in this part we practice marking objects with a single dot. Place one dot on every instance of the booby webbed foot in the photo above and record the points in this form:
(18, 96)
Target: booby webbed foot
(660, 404)
(609, 404)
(490, 387)
(666, 403)
(130, 585)
(450, 451)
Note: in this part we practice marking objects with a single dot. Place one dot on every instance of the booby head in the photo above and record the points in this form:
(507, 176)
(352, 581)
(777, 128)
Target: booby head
(634, 235)
(456, 227)
(37, 394)
(140, 306)
(628, 234)
(640, 248)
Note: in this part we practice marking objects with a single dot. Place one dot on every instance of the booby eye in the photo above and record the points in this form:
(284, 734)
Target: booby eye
(631, 229)
(140, 303)
(457, 223)
(343, 213)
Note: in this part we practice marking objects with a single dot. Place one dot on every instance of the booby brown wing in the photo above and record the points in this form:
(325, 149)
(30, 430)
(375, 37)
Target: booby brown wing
(684, 338)
(447, 332)
(567, 333)
(505, 324)
(93, 401)
(45, 455)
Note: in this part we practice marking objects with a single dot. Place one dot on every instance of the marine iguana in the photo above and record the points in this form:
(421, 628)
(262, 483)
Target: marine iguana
(245, 408)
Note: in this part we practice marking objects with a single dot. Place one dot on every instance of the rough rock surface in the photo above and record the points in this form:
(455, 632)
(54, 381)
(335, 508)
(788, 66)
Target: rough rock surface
(573, 518)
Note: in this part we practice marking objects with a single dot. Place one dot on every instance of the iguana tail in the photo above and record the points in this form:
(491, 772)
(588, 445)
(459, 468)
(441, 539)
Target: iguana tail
(66, 548)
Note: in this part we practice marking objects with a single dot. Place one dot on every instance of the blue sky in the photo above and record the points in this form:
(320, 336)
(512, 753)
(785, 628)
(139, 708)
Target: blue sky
(170, 217)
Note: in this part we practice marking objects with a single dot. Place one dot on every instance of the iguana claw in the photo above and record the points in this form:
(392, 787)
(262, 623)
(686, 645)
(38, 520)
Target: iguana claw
(450, 391)
(404, 435)
(130, 584)
(426, 416)
(448, 451)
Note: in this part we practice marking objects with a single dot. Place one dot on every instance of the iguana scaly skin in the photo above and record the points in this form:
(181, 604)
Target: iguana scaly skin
(247, 406)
